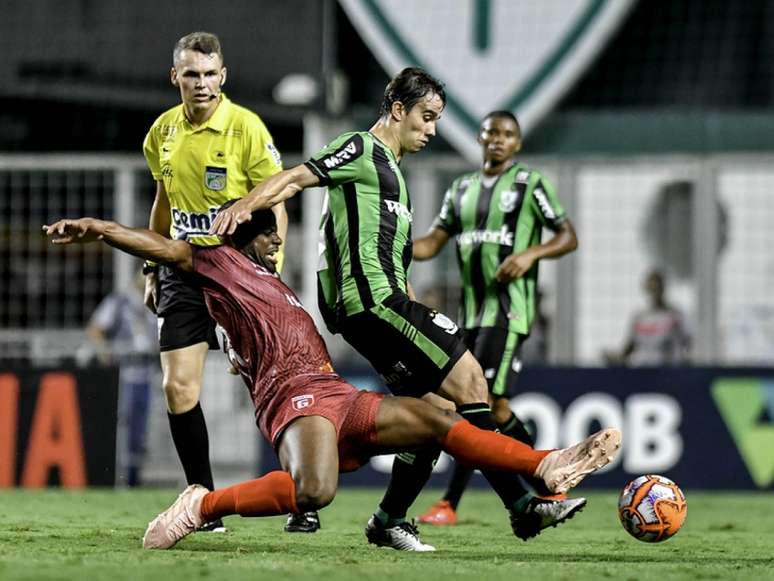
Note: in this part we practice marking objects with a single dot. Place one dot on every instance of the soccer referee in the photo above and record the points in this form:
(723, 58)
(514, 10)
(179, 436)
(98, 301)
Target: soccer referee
(202, 153)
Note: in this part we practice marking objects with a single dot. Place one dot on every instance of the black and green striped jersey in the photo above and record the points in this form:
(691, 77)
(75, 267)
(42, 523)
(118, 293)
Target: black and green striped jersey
(492, 218)
(365, 230)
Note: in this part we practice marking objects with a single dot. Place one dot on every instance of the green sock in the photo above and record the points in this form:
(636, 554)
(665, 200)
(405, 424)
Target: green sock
(385, 519)
(521, 505)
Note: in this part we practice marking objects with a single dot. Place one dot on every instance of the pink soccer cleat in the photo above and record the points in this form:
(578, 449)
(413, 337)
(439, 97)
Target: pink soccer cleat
(178, 521)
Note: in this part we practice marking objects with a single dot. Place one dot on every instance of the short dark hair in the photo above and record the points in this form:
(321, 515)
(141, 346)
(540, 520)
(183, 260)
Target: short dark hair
(246, 232)
(409, 87)
(502, 114)
(203, 42)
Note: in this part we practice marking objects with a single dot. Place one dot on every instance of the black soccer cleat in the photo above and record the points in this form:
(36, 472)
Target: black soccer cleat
(305, 522)
(403, 536)
(541, 514)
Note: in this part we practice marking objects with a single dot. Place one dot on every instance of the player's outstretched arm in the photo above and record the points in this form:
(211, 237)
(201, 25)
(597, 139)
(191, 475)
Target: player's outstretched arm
(137, 241)
(430, 244)
(271, 192)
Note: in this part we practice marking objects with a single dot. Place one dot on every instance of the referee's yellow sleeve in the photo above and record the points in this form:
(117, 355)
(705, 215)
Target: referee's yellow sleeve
(264, 158)
(150, 149)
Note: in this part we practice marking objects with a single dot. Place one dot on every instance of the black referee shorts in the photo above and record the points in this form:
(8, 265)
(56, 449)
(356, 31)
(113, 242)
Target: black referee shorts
(182, 313)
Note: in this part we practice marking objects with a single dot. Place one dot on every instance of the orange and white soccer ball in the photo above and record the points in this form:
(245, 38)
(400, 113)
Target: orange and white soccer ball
(652, 508)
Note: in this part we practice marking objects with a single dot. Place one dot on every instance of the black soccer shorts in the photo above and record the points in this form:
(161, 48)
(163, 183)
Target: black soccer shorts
(410, 345)
(498, 352)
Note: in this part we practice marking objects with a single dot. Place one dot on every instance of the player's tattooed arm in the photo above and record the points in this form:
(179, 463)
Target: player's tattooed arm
(137, 241)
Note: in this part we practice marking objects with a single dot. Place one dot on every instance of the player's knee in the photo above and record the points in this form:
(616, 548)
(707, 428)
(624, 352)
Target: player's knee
(474, 390)
(314, 493)
(181, 395)
(466, 382)
(479, 389)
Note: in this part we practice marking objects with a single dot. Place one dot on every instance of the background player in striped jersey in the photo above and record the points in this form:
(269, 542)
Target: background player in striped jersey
(496, 216)
(363, 291)
(319, 424)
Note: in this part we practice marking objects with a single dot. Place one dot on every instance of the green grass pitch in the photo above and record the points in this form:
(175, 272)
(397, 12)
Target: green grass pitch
(96, 534)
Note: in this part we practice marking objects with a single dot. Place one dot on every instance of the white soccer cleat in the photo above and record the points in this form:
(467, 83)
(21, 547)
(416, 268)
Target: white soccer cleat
(564, 469)
(178, 521)
(401, 537)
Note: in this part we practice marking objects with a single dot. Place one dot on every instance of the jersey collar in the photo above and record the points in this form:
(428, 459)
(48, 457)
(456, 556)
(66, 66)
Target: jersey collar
(217, 122)
(385, 147)
(492, 181)
(483, 176)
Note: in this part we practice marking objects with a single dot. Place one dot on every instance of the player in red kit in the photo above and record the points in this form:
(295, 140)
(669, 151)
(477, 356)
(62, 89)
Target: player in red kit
(319, 424)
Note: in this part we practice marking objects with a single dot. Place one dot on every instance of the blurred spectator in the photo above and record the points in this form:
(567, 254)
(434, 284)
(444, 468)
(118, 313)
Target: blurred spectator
(123, 332)
(657, 335)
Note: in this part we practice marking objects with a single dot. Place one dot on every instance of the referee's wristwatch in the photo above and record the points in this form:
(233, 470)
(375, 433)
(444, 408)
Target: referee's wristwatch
(149, 267)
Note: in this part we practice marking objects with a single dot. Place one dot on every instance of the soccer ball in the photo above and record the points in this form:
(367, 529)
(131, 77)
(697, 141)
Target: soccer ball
(652, 508)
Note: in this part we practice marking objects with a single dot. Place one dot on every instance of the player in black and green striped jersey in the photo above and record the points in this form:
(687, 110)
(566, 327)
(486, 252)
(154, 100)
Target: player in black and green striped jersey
(496, 216)
(364, 292)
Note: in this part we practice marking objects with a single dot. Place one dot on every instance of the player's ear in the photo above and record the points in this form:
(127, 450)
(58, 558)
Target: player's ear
(397, 111)
(173, 77)
(223, 72)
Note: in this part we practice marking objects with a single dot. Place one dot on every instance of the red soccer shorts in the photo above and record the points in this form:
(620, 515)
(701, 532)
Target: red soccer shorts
(351, 411)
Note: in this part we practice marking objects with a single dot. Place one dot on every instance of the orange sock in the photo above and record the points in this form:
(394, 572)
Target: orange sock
(269, 495)
(490, 451)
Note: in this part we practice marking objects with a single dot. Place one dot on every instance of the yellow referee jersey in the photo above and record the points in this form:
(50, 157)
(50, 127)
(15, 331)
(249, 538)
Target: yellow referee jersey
(203, 167)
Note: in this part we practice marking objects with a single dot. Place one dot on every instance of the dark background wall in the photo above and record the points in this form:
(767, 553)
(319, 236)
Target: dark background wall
(91, 76)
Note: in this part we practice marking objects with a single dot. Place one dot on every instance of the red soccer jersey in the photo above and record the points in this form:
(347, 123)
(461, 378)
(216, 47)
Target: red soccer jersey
(274, 343)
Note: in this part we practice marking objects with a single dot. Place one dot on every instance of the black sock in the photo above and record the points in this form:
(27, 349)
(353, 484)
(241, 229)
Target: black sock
(410, 473)
(458, 484)
(516, 429)
(189, 433)
(508, 486)
(133, 476)
(478, 414)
